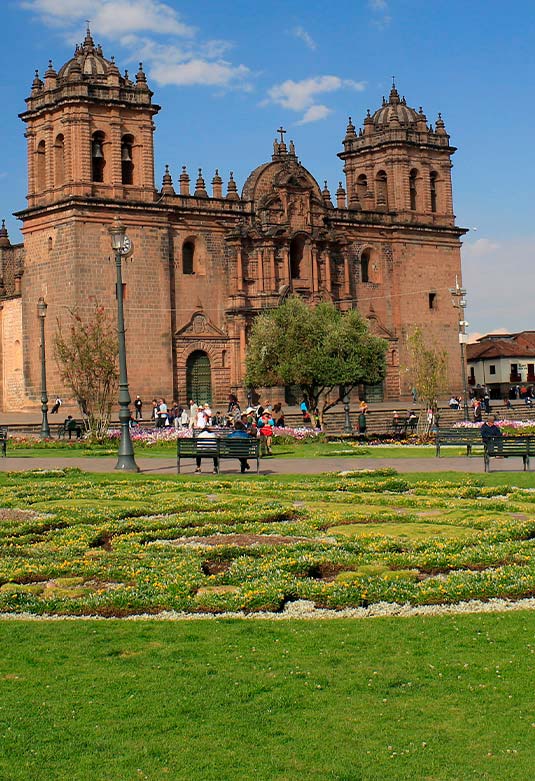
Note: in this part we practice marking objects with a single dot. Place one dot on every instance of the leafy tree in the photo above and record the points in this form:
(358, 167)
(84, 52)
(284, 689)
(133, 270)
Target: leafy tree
(86, 354)
(428, 372)
(320, 349)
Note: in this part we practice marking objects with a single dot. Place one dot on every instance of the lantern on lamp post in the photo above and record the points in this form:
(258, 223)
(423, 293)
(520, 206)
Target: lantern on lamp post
(122, 247)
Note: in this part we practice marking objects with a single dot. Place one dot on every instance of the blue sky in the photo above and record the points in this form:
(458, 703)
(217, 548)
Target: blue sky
(227, 74)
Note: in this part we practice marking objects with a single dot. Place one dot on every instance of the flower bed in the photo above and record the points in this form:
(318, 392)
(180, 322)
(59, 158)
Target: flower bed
(122, 546)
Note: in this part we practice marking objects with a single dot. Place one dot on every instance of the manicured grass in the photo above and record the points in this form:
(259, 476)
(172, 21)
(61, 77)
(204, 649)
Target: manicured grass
(123, 544)
(441, 698)
(308, 449)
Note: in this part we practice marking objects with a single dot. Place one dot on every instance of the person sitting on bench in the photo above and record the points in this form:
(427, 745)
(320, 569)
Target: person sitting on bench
(491, 434)
(240, 433)
(207, 439)
(70, 425)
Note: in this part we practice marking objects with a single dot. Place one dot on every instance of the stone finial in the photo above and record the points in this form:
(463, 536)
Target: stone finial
(340, 197)
(217, 185)
(200, 186)
(393, 98)
(167, 183)
(50, 73)
(112, 74)
(326, 195)
(184, 181)
(4, 238)
(232, 190)
(88, 43)
(37, 84)
(292, 149)
(440, 128)
(350, 130)
(141, 78)
(75, 71)
(368, 123)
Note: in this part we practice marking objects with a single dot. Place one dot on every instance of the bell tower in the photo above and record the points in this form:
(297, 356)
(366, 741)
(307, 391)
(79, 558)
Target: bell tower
(397, 162)
(89, 131)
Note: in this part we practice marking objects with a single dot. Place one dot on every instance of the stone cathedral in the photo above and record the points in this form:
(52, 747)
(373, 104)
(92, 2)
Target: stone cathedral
(206, 258)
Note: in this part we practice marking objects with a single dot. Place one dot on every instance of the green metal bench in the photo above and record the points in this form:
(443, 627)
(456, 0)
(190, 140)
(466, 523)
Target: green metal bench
(235, 448)
(465, 437)
(509, 447)
(3, 440)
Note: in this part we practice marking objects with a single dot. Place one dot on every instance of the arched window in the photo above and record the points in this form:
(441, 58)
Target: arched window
(188, 256)
(362, 187)
(97, 157)
(413, 192)
(365, 266)
(41, 166)
(433, 190)
(199, 378)
(297, 246)
(127, 161)
(59, 160)
(381, 189)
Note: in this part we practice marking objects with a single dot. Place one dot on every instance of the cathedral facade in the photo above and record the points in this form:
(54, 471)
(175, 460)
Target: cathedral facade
(208, 259)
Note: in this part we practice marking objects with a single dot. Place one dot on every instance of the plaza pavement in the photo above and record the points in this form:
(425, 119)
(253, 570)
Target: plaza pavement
(268, 466)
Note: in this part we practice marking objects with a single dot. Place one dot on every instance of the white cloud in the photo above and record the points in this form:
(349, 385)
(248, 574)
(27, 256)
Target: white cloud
(197, 71)
(302, 35)
(155, 32)
(479, 248)
(301, 95)
(110, 17)
(380, 13)
(315, 112)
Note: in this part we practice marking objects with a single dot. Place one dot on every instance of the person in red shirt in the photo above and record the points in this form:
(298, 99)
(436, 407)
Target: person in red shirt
(266, 435)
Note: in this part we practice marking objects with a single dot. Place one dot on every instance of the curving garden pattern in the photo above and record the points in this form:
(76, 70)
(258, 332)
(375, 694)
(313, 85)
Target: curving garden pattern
(72, 543)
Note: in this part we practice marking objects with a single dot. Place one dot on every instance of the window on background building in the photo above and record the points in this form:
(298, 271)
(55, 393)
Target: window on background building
(432, 300)
(188, 255)
(97, 157)
(492, 369)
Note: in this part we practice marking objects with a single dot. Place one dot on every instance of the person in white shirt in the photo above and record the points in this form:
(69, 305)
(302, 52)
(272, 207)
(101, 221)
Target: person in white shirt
(207, 440)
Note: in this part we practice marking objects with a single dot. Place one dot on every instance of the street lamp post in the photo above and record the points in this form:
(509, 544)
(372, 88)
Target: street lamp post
(41, 313)
(122, 247)
(458, 297)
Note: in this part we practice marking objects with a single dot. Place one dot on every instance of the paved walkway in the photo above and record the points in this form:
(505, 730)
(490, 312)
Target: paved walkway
(269, 466)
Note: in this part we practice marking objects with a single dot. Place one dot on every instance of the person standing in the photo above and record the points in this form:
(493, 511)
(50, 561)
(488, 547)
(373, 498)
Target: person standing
(193, 410)
(138, 404)
(57, 405)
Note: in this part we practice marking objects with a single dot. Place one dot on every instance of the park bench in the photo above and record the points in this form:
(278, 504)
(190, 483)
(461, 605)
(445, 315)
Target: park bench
(466, 437)
(234, 448)
(71, 427)
(507, 447)
(3, 439)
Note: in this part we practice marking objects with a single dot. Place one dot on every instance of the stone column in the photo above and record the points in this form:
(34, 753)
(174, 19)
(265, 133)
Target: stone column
(260, 261)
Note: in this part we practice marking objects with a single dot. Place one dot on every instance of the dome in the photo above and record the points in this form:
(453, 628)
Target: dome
(283, 170)
(87, 61)
(395, 111)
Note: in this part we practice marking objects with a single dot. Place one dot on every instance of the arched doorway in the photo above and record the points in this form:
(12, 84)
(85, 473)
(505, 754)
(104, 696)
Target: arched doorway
(199, 378)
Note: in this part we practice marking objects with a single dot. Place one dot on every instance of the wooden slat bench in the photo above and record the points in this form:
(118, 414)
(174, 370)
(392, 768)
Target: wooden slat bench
(235, 448)
(508, 447)
(466, 437)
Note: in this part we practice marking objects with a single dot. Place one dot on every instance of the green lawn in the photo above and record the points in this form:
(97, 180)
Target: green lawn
(114, 545)
(309, 449)
(441, 699)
